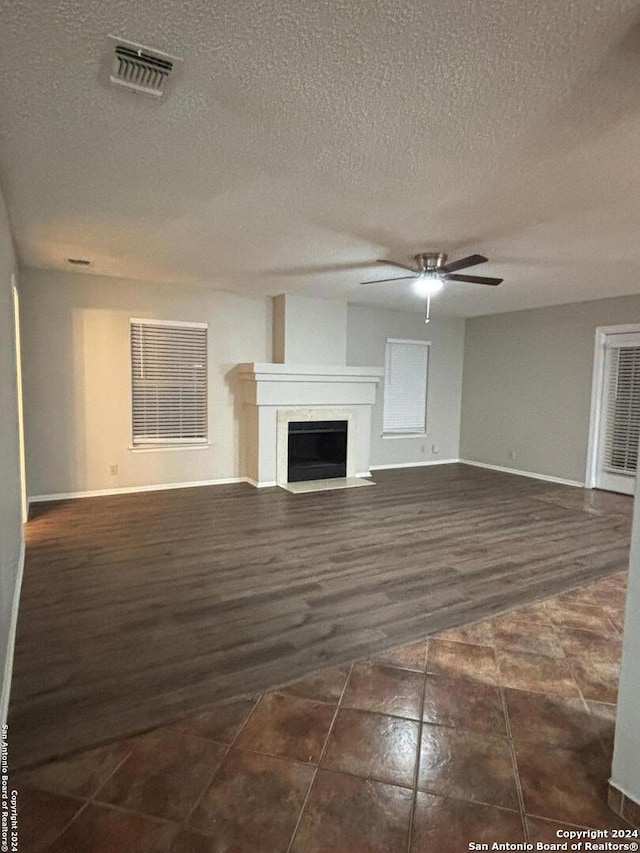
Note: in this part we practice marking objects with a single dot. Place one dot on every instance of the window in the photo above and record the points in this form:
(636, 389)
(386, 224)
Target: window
(168, 382)
(405, 387)
(622, 410)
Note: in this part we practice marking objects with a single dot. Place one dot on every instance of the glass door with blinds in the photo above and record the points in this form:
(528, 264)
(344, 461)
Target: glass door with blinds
(619, 431)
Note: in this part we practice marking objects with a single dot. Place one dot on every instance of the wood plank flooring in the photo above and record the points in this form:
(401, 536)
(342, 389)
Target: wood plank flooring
(139, 609)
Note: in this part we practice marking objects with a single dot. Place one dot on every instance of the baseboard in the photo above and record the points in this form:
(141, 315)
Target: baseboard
(532, 475)
(266, 484)
(624, 805)
(8, 663)
(413, 464)
(129, 490)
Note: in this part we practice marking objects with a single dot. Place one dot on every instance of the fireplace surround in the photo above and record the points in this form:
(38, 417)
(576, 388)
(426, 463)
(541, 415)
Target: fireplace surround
(275, 395)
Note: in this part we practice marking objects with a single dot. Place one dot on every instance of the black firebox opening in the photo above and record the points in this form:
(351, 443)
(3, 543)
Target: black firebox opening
(317, 450)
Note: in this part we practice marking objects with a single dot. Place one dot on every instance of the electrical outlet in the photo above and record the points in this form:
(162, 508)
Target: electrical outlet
(113, 470)
(512, 456)
(435, 449)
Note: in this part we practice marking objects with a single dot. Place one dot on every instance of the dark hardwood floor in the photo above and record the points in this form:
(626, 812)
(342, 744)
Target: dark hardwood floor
(139, 609)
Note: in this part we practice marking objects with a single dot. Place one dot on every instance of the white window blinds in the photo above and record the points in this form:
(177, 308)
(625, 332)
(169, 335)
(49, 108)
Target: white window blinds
(623, 410)
(405, 387)
(169, 382)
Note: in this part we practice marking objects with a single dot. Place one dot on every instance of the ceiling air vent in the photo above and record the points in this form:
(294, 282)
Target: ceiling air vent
(141, 69)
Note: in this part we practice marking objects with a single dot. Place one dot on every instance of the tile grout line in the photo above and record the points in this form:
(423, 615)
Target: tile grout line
(512, 751)
(320, 757)
(207, 785)
(66, 826)
(89, 800)
(416, 774)
(92, 799)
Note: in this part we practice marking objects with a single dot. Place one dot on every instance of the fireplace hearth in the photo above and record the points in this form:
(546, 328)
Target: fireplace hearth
(317, 450)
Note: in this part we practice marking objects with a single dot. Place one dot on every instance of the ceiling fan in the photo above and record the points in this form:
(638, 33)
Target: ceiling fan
(432, 271)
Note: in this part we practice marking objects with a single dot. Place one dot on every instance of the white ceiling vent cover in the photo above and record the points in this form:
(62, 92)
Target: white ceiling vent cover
(141, 69)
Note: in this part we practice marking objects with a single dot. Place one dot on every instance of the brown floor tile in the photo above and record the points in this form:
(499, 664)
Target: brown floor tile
(345, 813)
(580, 616)
(550, 720)
(374, 746)
(163, 775)
(546, 831)
(604, 719)
(100, 829)
(287, 726)
(464, 704)
(583, 595)
(192, 842)
(411, 656)
(536, 673)
(467, 766)
(81, 775)
(597, 681)
(462, 660)
(614, 583)
(479, 633)
(41, 818)
(515, 619)
(589, 646)
(252, 805)
(326, 686)
(441, 824)
(616, 616)
(384, 689)
(565, 785)
(221, 723)
(533, 613)
(530, 637)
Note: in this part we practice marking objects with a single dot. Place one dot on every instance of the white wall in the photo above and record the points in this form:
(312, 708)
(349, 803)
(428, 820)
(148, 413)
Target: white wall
(367, 331)
(527, 385)
(75, 335)
(308, 330)
(625, 773)
(10, 496)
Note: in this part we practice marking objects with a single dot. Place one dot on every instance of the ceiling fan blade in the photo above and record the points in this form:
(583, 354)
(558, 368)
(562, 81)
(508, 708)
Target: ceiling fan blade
(475, 279)
(402, 266)
(381, 280)
(463, 263)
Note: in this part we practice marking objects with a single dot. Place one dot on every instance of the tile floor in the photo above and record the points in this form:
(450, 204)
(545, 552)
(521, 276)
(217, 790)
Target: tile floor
(498, 731)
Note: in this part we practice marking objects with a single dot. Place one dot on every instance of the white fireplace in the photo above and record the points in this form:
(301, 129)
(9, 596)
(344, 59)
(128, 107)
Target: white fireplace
(274, 395)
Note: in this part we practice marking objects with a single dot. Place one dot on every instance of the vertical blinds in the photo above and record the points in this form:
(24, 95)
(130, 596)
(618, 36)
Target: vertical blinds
(405, 386)
(623, 410)
(168, 382)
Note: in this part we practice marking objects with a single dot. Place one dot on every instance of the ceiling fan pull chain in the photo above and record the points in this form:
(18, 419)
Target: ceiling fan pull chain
(426, 319)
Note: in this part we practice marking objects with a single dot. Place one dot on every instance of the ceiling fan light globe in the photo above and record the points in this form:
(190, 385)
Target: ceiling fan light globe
(427, 285)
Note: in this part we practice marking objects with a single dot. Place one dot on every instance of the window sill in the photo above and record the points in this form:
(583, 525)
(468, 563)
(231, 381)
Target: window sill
(404, 435)
(157, 448)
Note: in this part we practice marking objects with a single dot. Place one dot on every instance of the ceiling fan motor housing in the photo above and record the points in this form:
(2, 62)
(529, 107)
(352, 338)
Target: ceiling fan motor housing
(431, 261)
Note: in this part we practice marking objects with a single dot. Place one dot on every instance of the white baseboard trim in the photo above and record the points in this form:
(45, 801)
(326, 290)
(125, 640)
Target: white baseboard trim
(414, 464)
(266, 484)
(129, 490)
(8, 662)
(560, 480)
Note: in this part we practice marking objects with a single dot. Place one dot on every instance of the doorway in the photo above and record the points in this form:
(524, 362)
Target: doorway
(615, 410)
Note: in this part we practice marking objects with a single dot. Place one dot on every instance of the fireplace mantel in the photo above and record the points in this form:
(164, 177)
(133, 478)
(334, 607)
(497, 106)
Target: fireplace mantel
(269, 389)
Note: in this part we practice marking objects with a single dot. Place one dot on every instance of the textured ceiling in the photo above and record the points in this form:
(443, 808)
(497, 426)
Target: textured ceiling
(307, 137)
